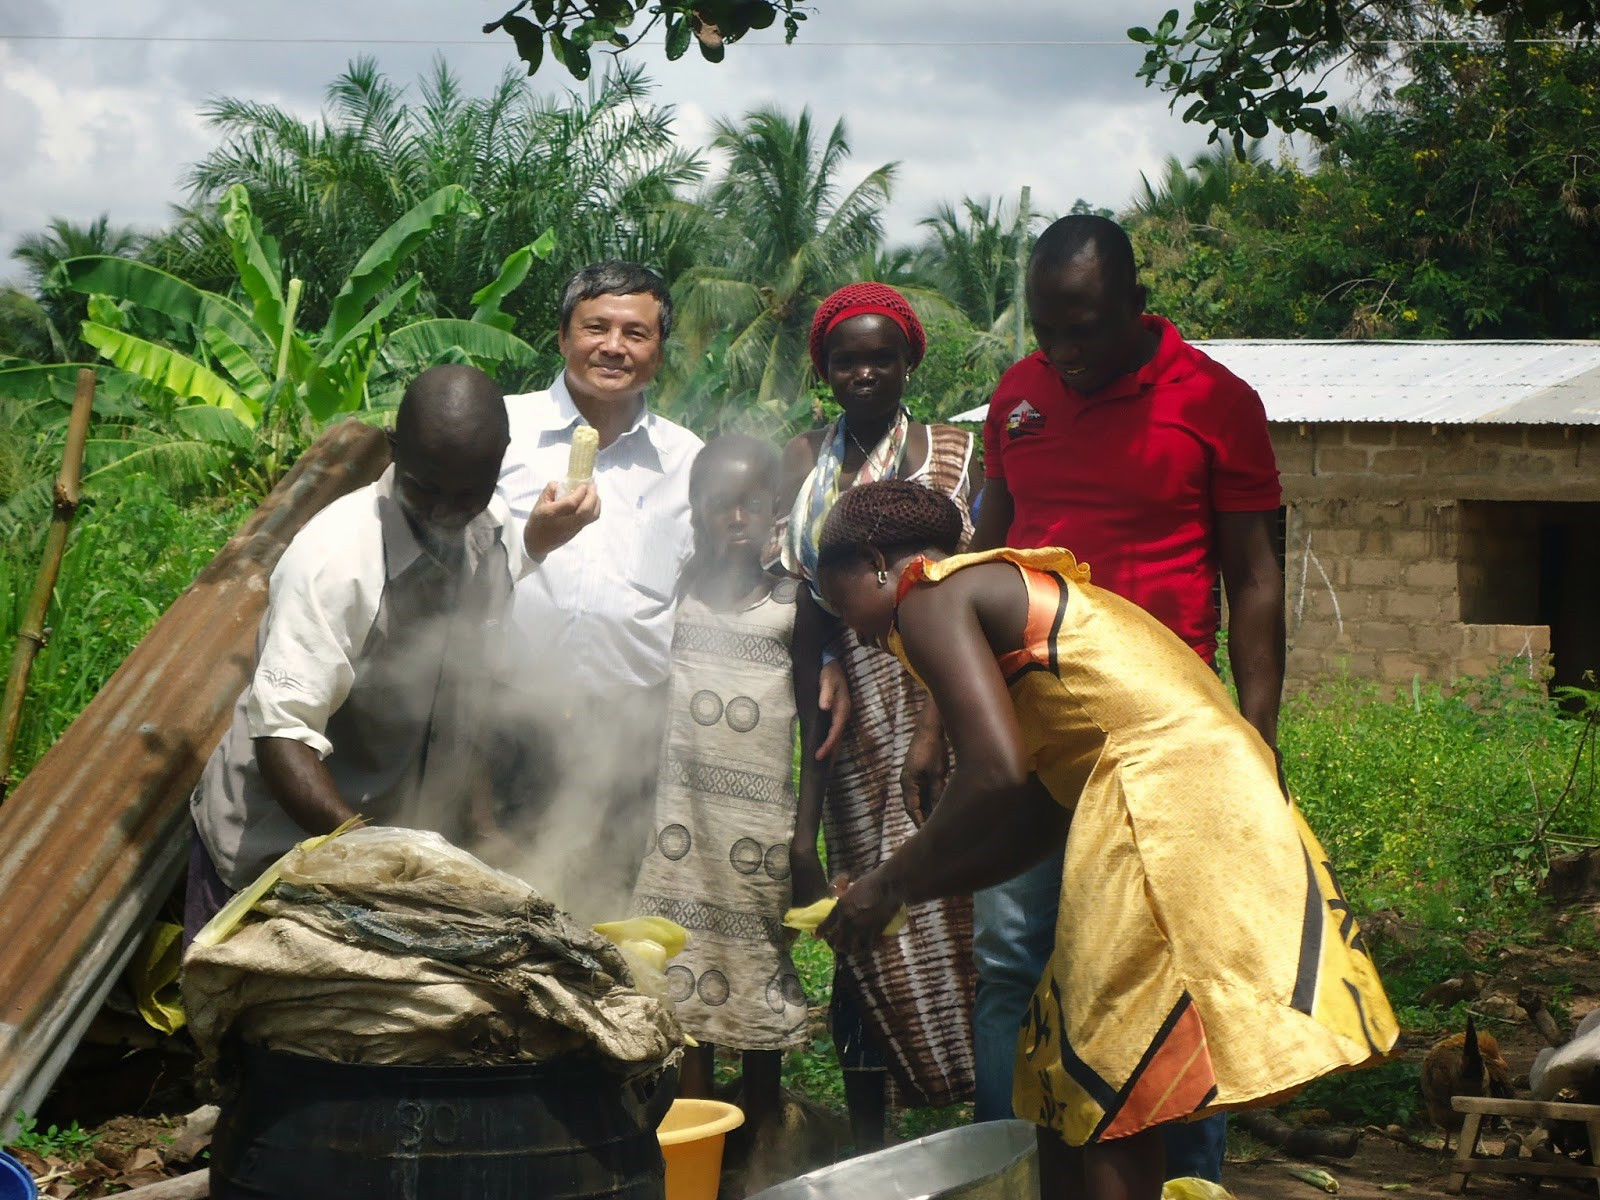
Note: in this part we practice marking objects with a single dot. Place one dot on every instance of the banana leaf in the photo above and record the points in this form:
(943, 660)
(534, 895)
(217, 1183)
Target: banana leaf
(393, 246)
(238, 363)
(424, 343)
(368, 323)
(258, 269)
(513, 271)
(167, 369)
(158, 291)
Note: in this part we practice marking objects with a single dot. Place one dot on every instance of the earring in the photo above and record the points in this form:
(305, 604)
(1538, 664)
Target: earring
(883, 577)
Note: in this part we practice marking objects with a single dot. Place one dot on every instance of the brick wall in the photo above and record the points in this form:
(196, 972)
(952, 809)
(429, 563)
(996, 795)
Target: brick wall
(1376, 579)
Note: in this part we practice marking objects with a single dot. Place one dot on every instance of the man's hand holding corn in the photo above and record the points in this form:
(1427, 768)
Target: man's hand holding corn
(565, 506)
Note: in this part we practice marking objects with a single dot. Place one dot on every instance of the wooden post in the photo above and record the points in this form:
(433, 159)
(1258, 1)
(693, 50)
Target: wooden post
(31, 635)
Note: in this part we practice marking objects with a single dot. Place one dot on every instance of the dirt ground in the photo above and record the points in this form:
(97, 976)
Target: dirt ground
(1386, 1165)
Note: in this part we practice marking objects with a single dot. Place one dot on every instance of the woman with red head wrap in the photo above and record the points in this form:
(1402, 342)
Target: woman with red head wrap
(905, 1008)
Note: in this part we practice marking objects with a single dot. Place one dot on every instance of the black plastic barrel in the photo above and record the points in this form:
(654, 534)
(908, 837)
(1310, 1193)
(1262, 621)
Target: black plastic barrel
(300, 1128)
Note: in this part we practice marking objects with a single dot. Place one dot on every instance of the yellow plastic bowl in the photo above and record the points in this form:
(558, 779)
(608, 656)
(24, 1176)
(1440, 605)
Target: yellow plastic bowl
(691, 1136)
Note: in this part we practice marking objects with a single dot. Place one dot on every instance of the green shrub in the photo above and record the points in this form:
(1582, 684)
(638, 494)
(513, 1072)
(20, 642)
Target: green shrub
(72, 1143)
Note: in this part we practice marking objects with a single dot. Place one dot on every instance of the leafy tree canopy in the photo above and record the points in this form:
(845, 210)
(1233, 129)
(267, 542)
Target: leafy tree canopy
(1246, 66)
(570, 31)
(1469, 207)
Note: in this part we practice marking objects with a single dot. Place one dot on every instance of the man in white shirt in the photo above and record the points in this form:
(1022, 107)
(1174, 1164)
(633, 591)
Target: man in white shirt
(371, 653)
(592, 622)
(599, 607)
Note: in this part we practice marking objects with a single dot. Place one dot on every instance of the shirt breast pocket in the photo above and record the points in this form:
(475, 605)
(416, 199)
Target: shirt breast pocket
(659, 549)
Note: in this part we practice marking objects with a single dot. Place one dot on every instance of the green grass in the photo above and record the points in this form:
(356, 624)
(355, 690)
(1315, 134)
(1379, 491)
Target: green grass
(1443, 805)
(127, 560)
(814, 1071)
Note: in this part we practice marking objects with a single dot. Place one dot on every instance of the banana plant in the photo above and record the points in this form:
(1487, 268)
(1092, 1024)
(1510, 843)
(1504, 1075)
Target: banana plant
(248, 358)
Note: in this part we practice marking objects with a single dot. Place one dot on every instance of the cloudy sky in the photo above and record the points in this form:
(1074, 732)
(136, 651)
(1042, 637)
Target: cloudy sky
(970, 98)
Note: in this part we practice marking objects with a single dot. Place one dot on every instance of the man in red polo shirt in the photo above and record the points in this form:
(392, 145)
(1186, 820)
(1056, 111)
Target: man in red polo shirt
(1151, 463)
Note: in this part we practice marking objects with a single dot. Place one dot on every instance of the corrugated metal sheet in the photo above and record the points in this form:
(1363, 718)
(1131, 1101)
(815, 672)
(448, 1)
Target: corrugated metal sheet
(93, 839)
(1438, 383)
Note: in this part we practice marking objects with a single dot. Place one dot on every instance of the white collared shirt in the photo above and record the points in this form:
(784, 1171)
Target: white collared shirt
(323, 601)
(597, 613)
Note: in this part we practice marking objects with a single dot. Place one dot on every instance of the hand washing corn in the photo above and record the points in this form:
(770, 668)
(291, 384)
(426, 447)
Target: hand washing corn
(580, 462)
(808, 918)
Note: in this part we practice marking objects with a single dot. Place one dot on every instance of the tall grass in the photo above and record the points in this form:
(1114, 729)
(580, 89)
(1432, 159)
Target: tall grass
(127, 560)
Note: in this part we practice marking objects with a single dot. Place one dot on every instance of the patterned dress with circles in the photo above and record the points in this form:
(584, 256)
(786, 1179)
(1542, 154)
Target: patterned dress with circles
(725, 810)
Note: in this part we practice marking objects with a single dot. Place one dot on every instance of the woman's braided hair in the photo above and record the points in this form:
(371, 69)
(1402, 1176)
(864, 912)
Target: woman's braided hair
(890, 515)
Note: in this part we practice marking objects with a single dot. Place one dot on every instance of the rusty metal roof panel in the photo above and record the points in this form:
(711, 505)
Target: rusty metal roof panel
(1439, 383)
(94, 837)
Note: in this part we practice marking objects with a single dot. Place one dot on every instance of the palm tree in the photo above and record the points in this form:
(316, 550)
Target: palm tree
(40, 323)
(782, 238)
(599, 168)
(972, 259)
(1189, 194)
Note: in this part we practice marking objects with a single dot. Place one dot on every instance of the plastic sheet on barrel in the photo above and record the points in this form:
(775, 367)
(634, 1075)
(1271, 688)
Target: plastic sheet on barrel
(393, 946)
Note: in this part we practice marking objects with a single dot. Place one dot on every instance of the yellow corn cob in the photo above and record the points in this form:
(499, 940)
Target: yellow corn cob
(580, 462)
(808, 918)
(655, 934)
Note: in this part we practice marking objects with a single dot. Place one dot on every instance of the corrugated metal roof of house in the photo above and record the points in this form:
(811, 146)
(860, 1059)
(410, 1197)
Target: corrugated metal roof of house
(1442, 383)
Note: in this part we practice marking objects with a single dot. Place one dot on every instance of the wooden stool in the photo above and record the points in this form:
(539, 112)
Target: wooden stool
(1478, 1107)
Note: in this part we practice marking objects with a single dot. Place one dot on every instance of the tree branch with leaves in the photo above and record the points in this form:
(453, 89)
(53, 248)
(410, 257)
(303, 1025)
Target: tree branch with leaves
(571, 29)
(1248, 66)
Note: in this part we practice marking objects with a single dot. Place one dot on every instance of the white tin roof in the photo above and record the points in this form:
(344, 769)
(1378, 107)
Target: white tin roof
(1442, 383)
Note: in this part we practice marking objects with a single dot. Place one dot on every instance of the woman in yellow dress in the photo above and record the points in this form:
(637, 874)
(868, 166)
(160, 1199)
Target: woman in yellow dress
(1205, 958)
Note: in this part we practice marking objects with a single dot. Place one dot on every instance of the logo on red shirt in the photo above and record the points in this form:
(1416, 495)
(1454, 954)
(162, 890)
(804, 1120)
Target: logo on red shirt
(1023, 420)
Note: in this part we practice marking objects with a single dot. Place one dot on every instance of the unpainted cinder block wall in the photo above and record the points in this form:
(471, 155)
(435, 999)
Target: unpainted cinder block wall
(1373, 537)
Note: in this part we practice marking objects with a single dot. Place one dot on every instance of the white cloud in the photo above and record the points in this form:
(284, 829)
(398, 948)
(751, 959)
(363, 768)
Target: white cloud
(77, 149)
(91, 127)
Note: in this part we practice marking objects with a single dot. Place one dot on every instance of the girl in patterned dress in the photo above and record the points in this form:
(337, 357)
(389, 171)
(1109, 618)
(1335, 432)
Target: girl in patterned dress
(725, 800)
(1205, 958)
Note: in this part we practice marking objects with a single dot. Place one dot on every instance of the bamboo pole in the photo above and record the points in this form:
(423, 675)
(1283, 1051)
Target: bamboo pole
(31, 634)
(1018, 297)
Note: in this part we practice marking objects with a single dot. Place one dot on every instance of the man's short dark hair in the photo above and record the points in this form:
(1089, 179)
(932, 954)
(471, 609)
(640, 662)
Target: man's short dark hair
(614, 277)
(1072, 236)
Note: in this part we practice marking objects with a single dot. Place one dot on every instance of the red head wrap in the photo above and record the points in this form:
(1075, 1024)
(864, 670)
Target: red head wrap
(859, 299)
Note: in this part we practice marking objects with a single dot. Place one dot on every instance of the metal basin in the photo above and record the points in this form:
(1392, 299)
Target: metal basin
(994, 1161)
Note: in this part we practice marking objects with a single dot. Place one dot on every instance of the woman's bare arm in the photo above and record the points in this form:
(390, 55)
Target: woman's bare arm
(995, 819)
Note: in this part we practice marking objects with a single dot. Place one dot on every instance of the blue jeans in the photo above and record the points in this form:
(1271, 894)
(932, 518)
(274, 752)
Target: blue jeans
(1013, 936)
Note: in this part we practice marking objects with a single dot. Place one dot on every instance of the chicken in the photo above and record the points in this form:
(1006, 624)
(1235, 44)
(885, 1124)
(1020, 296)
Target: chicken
(1463, 1064)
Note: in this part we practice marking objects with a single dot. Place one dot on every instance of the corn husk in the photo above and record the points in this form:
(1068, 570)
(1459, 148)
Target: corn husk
(808, 918)
(227, 920)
